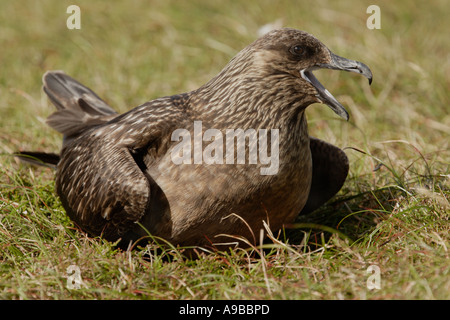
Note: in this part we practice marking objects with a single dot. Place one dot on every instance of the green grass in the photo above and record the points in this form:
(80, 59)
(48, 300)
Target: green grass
(395, 217)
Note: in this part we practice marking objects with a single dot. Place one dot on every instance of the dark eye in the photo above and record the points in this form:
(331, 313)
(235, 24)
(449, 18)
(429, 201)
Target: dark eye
(297, 50)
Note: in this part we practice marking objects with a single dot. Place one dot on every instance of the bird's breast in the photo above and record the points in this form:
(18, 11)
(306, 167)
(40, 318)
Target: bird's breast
(202, 195)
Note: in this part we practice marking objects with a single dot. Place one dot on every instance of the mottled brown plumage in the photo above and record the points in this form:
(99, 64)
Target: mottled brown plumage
(116, 175)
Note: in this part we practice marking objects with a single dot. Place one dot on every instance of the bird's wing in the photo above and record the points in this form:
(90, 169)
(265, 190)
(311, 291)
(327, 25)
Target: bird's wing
(101, 186)
(78, 107)
(102, 177)
(330, 169)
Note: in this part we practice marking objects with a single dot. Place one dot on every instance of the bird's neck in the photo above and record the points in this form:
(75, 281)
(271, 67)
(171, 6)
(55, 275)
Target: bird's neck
(247, 98)
(248, 92)
(245, 103)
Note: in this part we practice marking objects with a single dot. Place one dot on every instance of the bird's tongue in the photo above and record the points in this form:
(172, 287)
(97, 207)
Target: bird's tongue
(324, 95)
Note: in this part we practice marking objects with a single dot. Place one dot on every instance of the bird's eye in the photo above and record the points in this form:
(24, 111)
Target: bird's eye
(297, 50)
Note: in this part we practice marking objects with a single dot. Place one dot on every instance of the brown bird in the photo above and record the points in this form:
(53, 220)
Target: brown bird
(117, 177)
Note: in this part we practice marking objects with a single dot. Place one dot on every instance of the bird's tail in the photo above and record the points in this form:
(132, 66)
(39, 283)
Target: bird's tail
(78, 107)
(38, 158)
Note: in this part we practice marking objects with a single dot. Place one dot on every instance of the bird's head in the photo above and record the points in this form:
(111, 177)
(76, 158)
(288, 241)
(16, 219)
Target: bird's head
(295, 53)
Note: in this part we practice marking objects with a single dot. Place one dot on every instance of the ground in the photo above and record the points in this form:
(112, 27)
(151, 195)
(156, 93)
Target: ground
(384, 236)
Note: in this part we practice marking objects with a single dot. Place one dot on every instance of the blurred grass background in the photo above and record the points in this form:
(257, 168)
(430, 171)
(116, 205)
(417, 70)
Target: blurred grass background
(132, 51)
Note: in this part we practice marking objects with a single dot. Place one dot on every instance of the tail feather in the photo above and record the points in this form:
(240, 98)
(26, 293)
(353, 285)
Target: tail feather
(78, 107)
(38, 158)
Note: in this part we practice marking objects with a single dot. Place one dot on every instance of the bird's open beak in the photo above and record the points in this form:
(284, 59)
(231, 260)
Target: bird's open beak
(337, 63)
